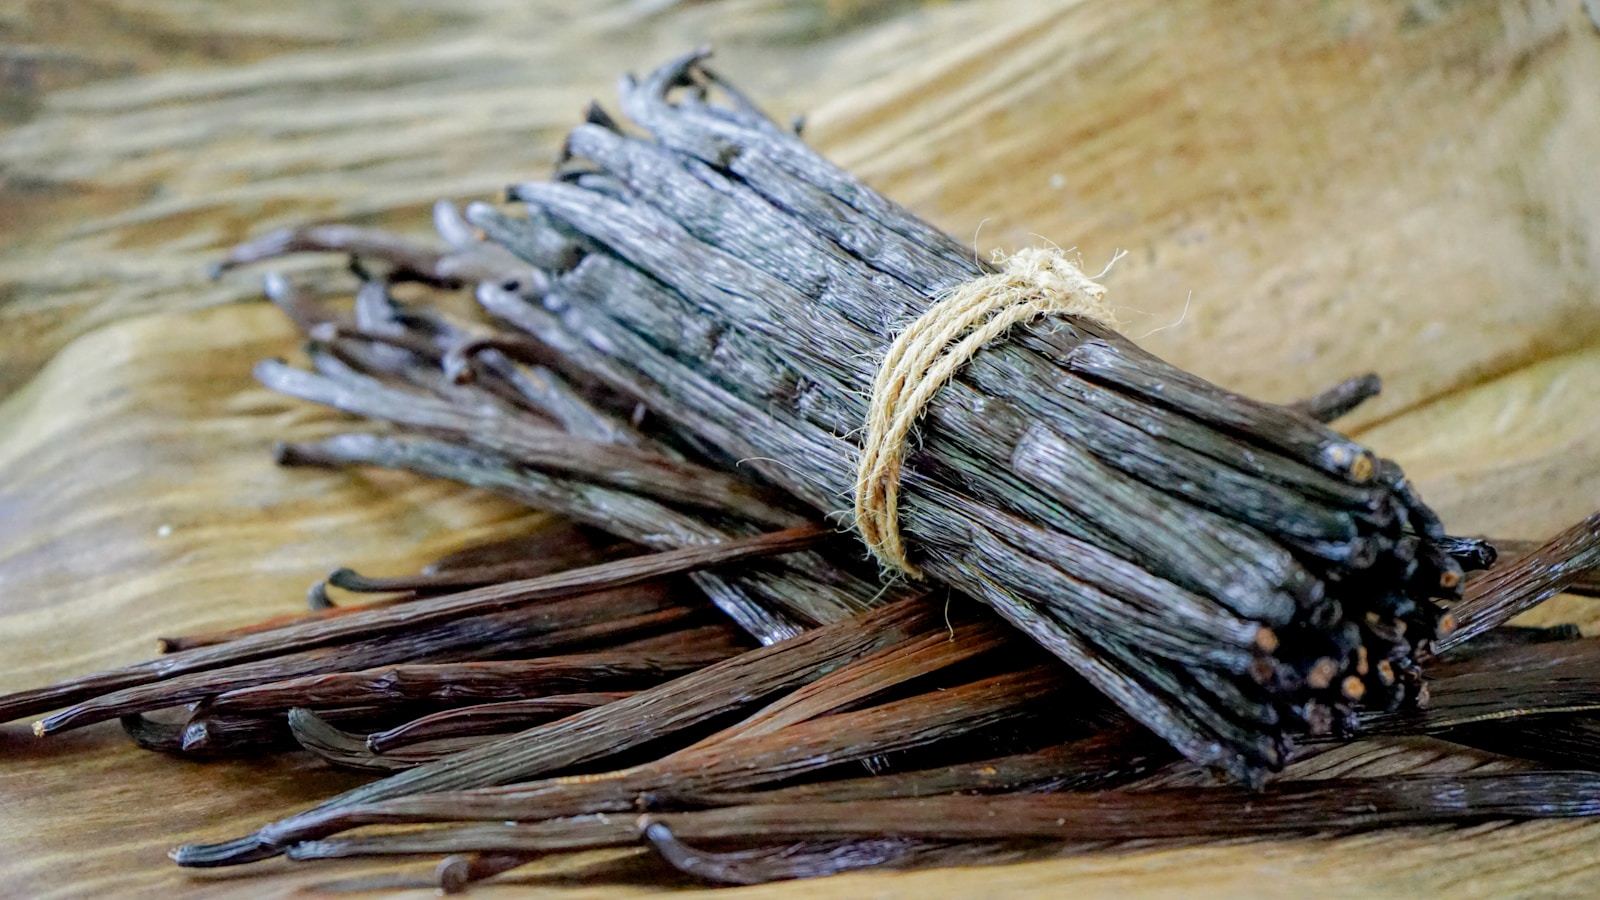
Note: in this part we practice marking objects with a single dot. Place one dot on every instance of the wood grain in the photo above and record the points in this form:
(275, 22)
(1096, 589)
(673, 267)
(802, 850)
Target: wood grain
(1305, 191)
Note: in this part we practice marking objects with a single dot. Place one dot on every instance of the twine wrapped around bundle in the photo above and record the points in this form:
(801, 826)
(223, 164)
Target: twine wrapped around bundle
(931, 350)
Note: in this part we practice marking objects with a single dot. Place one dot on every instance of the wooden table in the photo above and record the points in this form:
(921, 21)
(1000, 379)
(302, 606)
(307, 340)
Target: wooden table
(1304, 191)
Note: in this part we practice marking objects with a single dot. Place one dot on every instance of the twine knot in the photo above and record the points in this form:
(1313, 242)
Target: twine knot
(928, 353)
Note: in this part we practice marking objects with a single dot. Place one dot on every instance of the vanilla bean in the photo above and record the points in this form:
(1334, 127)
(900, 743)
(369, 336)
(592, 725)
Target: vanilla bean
(408, 256)
(411, 261)
(154, 734)
(734, 246)
(545, 248)
(684, 126)
(557, 547)
(299, 306)
(1160, 615)
(143, 687)
(350, 751)
(1257, 591)
(182, 642)
(1107, 759)
(1587, 583)
(1513, 588)
(393, 336)
(204, 736)
(1071, 399)
(1557, 740)
(706, 214)
(587, 632)
(1119, 364)
(1498, 644)
(504, 847)
(488, 718)
(817, 859)
(454, 874)
(794, 177)
(1475, 554)
(1186, 474)
(1339, 400)
(1212, 812)
(533, 838)
(651, 173)
(626, 666)
(1117, 680)
(464, 577)
(626, 515)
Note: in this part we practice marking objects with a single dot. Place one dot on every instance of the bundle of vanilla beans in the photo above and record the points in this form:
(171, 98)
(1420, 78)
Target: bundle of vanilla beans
(1167, 575)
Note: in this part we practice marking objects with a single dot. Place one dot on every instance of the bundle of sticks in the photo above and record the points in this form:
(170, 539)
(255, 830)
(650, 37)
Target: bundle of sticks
(1167, 576)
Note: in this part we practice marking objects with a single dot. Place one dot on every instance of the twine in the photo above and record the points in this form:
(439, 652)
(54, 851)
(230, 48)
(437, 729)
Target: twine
(1031, 283)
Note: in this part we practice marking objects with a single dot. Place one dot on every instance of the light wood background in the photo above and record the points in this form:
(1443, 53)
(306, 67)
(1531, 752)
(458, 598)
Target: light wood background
(1306, 191)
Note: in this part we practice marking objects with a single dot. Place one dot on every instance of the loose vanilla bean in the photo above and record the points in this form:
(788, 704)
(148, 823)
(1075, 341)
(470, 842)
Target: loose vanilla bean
(572, 833)
(411, 260)
(1508, 590)
(1567, 741)
(350, 751)
(1284, 807)
(626, 666)
(1107, 759)
(1587, 583)
(552, 549)
(817, 859)
(488, 718)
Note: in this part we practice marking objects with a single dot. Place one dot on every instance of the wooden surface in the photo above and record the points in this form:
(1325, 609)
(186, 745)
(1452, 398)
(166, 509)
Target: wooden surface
(1306, 191)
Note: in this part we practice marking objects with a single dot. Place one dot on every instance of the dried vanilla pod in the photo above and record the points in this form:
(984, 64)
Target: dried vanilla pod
(692, 320)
